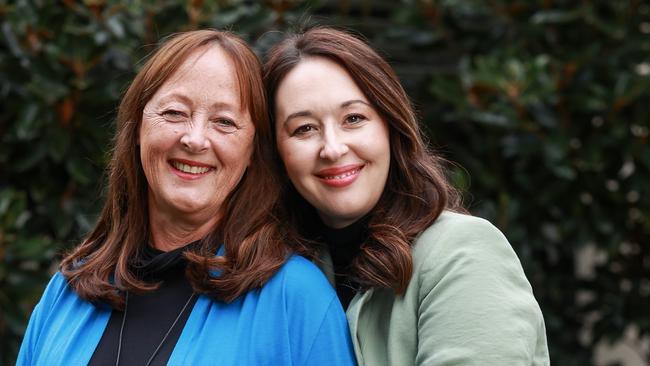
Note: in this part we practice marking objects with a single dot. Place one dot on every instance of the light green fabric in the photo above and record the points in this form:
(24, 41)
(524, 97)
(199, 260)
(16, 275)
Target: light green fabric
(468, 303)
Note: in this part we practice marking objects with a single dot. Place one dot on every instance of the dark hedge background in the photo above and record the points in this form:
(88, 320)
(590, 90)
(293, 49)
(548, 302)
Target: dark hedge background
(544, 106)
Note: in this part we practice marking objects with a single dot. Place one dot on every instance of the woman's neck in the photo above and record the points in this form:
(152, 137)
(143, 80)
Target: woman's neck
(352, 235)
(172, 232)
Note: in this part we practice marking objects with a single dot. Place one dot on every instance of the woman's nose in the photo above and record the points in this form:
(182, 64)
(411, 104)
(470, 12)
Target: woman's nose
(194, 139)
(334, 146)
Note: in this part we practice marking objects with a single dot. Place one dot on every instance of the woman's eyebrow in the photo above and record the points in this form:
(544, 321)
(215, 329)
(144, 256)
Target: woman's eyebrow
(307, 113)
(298, 114)
(224, 106)
(350, 102)
(175, 96)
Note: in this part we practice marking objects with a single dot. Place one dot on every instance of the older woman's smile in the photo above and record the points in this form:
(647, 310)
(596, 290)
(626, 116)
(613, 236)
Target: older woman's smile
(188, 169)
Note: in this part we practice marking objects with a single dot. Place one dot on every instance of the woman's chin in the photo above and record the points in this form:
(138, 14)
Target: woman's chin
(184, 208)
(341, 218)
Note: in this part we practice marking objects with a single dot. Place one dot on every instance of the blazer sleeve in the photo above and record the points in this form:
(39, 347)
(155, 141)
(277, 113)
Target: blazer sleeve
(476, 306)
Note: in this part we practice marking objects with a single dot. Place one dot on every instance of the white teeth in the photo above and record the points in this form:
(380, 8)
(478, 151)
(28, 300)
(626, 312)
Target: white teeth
(344, 175)
(189, 168)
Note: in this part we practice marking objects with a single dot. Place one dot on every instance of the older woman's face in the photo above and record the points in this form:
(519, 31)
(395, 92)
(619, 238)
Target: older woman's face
(195, 140)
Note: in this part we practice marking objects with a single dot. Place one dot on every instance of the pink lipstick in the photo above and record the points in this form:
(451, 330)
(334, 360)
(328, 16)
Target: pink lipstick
(188, 169)
(340, 176)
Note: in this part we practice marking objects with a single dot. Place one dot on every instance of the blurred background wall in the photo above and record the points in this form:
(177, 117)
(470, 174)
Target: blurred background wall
(543, 108)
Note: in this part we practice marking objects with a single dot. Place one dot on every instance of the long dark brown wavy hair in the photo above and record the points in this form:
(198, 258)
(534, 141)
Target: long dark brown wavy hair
(99, 268)
(416, 191)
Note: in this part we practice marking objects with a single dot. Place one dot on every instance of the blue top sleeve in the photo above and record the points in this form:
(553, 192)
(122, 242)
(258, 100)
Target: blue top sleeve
(38, 319)
(317, 319)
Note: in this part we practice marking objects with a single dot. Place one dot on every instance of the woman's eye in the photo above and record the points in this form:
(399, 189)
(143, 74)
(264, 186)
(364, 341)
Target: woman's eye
(302, 130)
(173, 115)
(225, 124)
(354, 118)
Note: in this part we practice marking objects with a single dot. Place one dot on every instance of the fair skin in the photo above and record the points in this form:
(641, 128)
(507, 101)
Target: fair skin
(195, 141)
(334, 145)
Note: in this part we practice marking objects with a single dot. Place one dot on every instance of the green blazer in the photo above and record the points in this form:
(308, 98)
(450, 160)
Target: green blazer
(468, 303)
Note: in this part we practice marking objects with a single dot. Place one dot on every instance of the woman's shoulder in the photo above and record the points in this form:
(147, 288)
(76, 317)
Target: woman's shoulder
(455, 235)
(468, 278)
(304, 294)
(301, 278)
(59, 293)
(453, 221)
(57, 287)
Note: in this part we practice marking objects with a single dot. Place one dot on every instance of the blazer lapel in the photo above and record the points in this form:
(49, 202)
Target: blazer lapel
(356, 307)
(327, 266)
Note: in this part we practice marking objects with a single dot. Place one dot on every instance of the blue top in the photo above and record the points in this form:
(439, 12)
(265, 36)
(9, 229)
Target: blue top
(295, 319)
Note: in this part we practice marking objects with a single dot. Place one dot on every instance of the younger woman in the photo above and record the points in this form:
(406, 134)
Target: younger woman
(423, 284)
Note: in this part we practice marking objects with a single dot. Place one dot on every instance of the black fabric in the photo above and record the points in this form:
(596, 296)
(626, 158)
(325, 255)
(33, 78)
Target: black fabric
(149, 315)
(344, 245)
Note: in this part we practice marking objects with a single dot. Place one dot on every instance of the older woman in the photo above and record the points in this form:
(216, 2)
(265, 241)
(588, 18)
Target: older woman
(185, 266)
(425, 284)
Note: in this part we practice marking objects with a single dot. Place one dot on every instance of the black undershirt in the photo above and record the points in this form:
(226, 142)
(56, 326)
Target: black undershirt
(344, 245)
(149, 315)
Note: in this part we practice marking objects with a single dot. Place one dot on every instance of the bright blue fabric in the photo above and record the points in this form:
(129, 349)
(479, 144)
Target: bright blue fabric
(295, 319)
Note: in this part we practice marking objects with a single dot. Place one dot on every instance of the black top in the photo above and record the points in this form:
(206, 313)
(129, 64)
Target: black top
(149, 316)
(344, 245)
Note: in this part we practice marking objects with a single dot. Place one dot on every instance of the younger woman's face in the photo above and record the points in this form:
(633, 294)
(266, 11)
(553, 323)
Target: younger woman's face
(334, 144)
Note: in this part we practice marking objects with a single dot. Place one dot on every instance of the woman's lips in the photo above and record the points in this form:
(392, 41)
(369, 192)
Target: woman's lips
(188, 169)
(340, 176)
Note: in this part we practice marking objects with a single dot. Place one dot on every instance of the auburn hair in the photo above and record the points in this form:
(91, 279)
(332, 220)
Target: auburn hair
(99, 268)
(416, 191)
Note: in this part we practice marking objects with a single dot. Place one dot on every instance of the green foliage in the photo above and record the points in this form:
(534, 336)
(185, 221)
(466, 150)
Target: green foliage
(543, 104)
